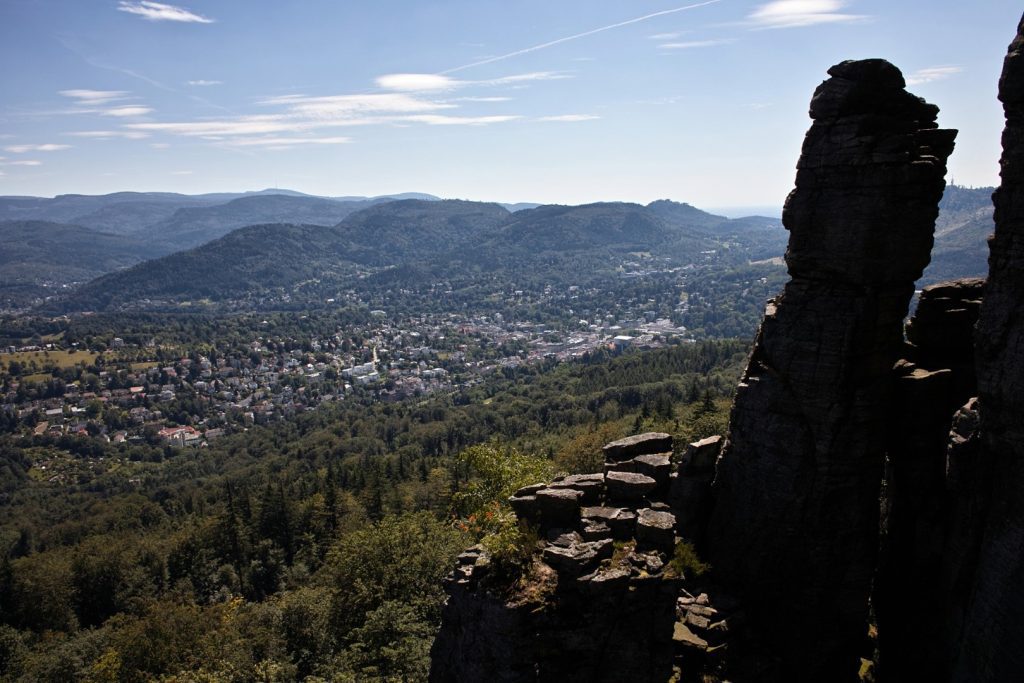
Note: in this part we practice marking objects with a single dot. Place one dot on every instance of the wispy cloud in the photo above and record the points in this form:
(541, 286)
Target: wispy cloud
(416, 82)
(569, 118)
(94, 98)
(127, 111)
(109, 134)
(47, 147)
(97, 101)
(932, 73)
(442, 120)
(689, 44)
(203, 83)
(285, 142)
(158, 11)
(517, 79)
(305, 120)
(577, 36)
(484, 99)
(412, 82)
(795, 13)
(26, 162)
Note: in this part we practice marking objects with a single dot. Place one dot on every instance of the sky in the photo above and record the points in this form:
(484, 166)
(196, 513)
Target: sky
(550, 101)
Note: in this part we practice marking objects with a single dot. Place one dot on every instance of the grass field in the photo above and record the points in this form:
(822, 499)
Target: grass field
(62, 359)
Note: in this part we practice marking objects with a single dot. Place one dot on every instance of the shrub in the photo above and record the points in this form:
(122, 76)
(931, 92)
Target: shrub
(686, 562)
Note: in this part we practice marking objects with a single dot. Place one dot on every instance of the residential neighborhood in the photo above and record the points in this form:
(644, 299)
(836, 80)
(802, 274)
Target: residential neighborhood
(196, 398)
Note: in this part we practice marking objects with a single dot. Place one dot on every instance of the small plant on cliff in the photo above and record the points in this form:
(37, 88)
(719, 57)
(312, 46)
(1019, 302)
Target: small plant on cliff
(481, 507)
(686, 562)
(510, 547)
(498, 470)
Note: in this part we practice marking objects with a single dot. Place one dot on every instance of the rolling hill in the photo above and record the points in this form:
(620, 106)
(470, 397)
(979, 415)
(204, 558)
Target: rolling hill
(40, 258)
(410, 243)
(961, 235)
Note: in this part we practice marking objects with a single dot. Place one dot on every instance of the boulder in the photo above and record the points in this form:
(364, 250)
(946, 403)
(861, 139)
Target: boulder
(578, 558)
(623, 525)
(700, 456)
(656, 529)
(639, 444)
(657, 466)
(595, 531)
(525, 507)
(591, 486)
(628, 486)
(559, 507)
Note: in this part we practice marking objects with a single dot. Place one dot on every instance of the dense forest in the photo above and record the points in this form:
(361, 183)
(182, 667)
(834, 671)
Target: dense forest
(310, 549)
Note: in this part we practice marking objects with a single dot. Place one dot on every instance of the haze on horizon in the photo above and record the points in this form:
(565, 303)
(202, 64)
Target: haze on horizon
(565, 102)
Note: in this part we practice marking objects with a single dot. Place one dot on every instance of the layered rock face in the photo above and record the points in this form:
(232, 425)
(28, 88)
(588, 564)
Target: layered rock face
(991, 645)
(794, 529)
(600, 602)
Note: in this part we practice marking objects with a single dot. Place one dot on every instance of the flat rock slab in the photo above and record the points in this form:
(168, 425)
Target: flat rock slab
(623, 525)
(700, 456)
(639, 444)
(606, 581)
(656, 528)
(590, 485)
(578, 558)
(525, 507)
(559, 507)
(600, 513)
(628, 485)
(684, 637)
(596, 531)
(657, 466)
(530, 490)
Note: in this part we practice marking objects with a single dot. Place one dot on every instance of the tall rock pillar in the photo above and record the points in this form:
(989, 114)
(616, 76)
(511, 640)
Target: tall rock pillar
(992, 630)
(795, 526)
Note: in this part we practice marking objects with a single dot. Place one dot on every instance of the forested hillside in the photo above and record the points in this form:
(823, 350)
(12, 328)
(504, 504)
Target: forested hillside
(311, 547)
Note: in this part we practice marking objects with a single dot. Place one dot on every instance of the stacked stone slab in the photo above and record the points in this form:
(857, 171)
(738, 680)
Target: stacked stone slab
(611, 615)
(992, 644)
(795, 524)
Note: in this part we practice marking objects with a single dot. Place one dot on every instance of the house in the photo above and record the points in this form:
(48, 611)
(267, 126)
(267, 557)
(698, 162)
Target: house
(180, 436)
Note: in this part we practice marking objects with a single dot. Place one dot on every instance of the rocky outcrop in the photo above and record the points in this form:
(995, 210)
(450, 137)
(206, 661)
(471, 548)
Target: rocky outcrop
(602, 600)
(991, 646)
(795, 523)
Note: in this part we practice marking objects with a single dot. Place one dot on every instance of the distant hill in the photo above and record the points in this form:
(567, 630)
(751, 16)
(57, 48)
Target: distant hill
(251, 261)
(411, 229)
(190, 227)
(617, 225)
(38, 257)
(135, 212)
(72, 208)
(961, 235)
(410, 243)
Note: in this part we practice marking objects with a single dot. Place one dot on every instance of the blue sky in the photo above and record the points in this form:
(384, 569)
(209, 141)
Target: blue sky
(563, 101)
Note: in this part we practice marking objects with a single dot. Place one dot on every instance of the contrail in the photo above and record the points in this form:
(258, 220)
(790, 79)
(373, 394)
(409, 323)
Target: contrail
(578, 35)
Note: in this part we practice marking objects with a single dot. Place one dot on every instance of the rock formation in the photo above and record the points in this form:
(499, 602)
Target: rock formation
(795, 525)
(936, 377)
(601, 600)
(833, 403)
(991, 645)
